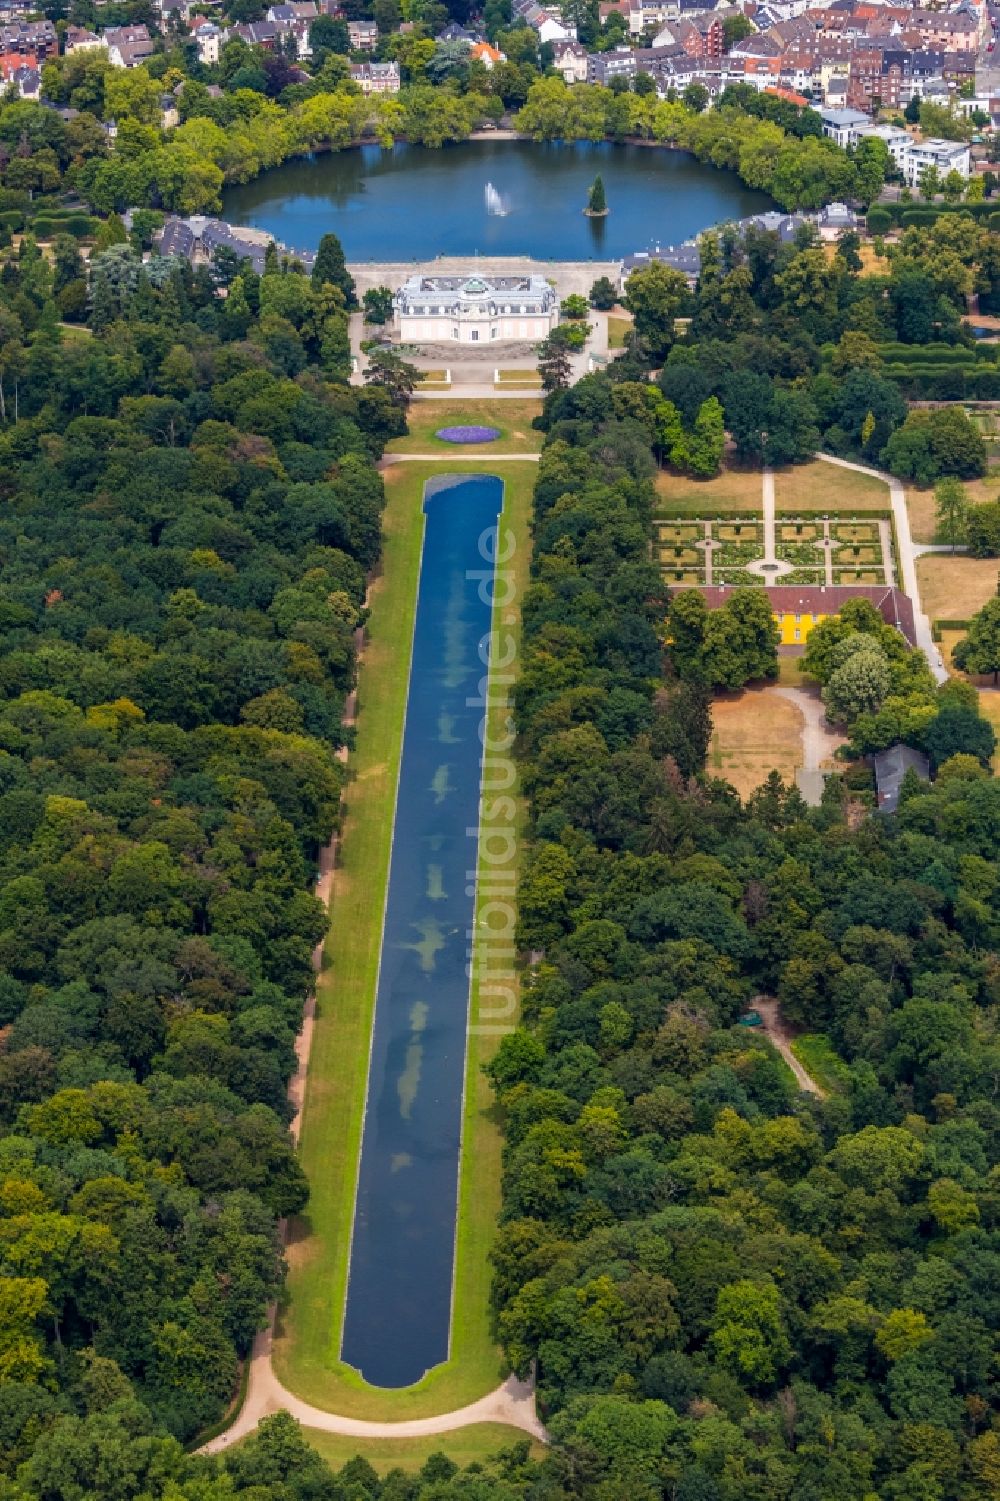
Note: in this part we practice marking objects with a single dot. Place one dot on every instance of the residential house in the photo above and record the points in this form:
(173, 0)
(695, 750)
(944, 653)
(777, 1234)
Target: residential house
(946, 156)
(362, 35)
(890, 768)
(701, 37)
(570, 59)
(208, 38)
(376, 78)
(875, 78)
(256, 34)
(31, 41)
(483, 52)
(839, 124)
(834, 220)
(177, 238)
(27, 82)
(651, 15)
(298, 10)
(79, 39)
(834, 92)
(955, 31)
(128, 46)
(603, 66)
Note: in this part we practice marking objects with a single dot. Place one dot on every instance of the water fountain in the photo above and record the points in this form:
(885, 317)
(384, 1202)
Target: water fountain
(497, 206)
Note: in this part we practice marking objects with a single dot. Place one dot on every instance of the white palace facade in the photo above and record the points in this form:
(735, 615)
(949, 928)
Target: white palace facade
(475, 309)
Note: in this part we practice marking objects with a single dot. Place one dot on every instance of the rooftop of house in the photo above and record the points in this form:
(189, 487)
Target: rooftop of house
(891, 767)
(895, 607)
(841, 118)
(475, 286)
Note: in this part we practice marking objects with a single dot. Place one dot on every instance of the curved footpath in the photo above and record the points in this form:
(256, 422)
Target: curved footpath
(512, 1403)
(907, 560)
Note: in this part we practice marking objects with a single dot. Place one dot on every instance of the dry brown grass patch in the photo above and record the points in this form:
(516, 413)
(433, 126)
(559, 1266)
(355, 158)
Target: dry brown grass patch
(819, 486)
(953, 587)
(732, 490)
(754, 733)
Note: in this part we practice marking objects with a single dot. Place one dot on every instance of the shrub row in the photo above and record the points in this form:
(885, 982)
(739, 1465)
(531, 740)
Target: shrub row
(939, 626)
(931, 383)
(938, 354)
(926, 213)
(78, 225)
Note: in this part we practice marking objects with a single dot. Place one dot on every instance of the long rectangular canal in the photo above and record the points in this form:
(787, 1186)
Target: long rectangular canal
(398, 1312)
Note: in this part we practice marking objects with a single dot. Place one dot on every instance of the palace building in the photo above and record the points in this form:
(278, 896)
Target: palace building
(798, 608)
(475, 309)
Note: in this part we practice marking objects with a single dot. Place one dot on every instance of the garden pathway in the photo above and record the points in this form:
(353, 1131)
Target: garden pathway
(827, 553)
(819, 741)
(907, 560)
(885, 539)
(780, 1036)
(770, 556)
(457, 451)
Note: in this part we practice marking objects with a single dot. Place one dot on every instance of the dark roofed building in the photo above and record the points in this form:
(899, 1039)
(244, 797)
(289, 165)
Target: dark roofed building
(177, 239)
(891, 767)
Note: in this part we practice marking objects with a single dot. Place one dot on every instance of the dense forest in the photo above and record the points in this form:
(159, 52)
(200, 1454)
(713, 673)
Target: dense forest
(190, 509)
(729, 1289)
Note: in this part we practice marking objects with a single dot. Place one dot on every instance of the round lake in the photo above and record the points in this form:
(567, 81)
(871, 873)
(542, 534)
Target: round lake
(413, 203)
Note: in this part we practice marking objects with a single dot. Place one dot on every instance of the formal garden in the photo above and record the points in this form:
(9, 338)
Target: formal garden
(724, 549)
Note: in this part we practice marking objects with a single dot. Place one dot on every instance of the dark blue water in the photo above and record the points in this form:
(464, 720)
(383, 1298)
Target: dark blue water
(413, 203)
(396, 1323)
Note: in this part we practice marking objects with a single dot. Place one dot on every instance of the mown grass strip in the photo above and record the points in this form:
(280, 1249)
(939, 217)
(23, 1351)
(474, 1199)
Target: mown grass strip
(466, 1445)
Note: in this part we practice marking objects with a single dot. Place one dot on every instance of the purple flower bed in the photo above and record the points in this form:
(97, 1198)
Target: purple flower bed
(468, 434)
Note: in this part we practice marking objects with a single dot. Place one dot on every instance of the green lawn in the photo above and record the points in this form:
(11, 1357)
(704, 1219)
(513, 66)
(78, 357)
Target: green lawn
(617, 329)
(307, 1338)
(513, 417)
(478, 1442)
(817, 1056)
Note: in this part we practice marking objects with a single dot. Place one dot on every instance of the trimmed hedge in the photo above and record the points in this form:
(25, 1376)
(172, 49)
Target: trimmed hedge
(951, 383)
(11, 219)
(926, 213)
(78, 225)
(938, 354)
(939, 626)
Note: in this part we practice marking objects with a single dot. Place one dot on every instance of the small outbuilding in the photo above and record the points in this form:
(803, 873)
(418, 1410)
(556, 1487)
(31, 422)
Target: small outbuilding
(891, 767)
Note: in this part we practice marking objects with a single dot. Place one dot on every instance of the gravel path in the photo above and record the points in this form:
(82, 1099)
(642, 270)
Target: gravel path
(907, 560)
(513, 1403)
(780, 1035)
